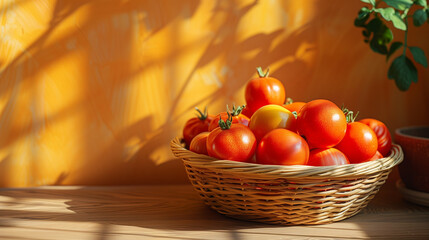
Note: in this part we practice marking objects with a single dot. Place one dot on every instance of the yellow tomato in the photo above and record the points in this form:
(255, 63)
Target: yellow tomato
(270, 117)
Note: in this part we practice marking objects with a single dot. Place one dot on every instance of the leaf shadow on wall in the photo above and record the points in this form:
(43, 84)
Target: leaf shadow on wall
(30, 62)
(224, 42)
(102, 161)
(241, 68)
(127, 154)
(40, 54)
(20, 72)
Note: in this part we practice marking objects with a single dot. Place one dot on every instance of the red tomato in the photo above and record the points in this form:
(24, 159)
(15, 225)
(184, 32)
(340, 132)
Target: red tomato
(383, 135)
(263, 91)
(376, 156)
(237, 117)
(247, 112)
(359, 143)
(199, 143)
(294, 107)
(322, 123)
(282, 147)
(327, 157)
(196, 125)
(270, 117)
(236, 143)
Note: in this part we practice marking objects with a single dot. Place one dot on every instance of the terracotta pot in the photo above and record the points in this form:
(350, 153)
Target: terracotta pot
(414, 170)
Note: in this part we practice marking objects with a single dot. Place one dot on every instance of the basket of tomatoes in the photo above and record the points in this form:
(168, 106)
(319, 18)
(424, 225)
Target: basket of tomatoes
(291, 164)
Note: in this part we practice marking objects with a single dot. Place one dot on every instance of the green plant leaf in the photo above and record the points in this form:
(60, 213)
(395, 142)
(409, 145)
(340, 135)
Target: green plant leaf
(385, 35)
(403, 71)
(363, 16)
(419, 56)
(386, 13)
(422, 3)
(398, 22)
(380, 37)
(366, 33)
(419, 17)
(369, 1)
(363, 12)
(377, 47)
(374, 25)
(393, 47)
(399, 4)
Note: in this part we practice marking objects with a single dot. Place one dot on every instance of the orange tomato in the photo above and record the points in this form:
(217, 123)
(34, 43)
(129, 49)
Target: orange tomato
(199, 143)
(196, 125)
(282, 147)
(235, 143)
(322, 123)
(359, 143)
(294, 107)
(264, 90)
(383, 135)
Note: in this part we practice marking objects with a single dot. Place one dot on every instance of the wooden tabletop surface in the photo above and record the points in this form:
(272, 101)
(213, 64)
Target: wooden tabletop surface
(176, 212)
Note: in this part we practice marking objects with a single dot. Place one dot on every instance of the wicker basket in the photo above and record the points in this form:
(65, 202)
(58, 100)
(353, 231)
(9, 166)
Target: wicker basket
(288, 195)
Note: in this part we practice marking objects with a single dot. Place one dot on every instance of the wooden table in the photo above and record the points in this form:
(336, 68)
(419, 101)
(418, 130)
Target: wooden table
(176, 212)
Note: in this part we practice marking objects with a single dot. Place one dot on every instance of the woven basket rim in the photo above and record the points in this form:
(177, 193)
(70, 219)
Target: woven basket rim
(282, 171)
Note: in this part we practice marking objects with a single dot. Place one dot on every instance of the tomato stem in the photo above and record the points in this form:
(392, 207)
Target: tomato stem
(261, 73)
(295, 114)
(202, 116)
(224, 125)
(350, 117)
(235, 110)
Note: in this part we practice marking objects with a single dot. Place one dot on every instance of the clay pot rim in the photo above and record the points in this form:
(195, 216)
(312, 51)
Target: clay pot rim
(400, 132)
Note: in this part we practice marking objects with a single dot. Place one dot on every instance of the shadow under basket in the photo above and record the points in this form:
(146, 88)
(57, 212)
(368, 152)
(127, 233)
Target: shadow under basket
(287, 195)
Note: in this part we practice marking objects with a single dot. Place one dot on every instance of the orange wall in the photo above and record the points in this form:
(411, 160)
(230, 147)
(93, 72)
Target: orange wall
(91, 92)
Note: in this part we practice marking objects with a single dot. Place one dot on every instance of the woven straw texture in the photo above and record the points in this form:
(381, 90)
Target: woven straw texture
(287, 195)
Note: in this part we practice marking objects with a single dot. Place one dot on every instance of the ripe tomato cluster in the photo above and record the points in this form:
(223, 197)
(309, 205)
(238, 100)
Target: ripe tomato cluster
(271, 129)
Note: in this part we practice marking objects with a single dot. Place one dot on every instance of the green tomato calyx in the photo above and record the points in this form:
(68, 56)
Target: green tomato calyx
(224, 125)
(235, 110)
(202, 115)
(350, 117)
(261, 73)
(288, 101)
